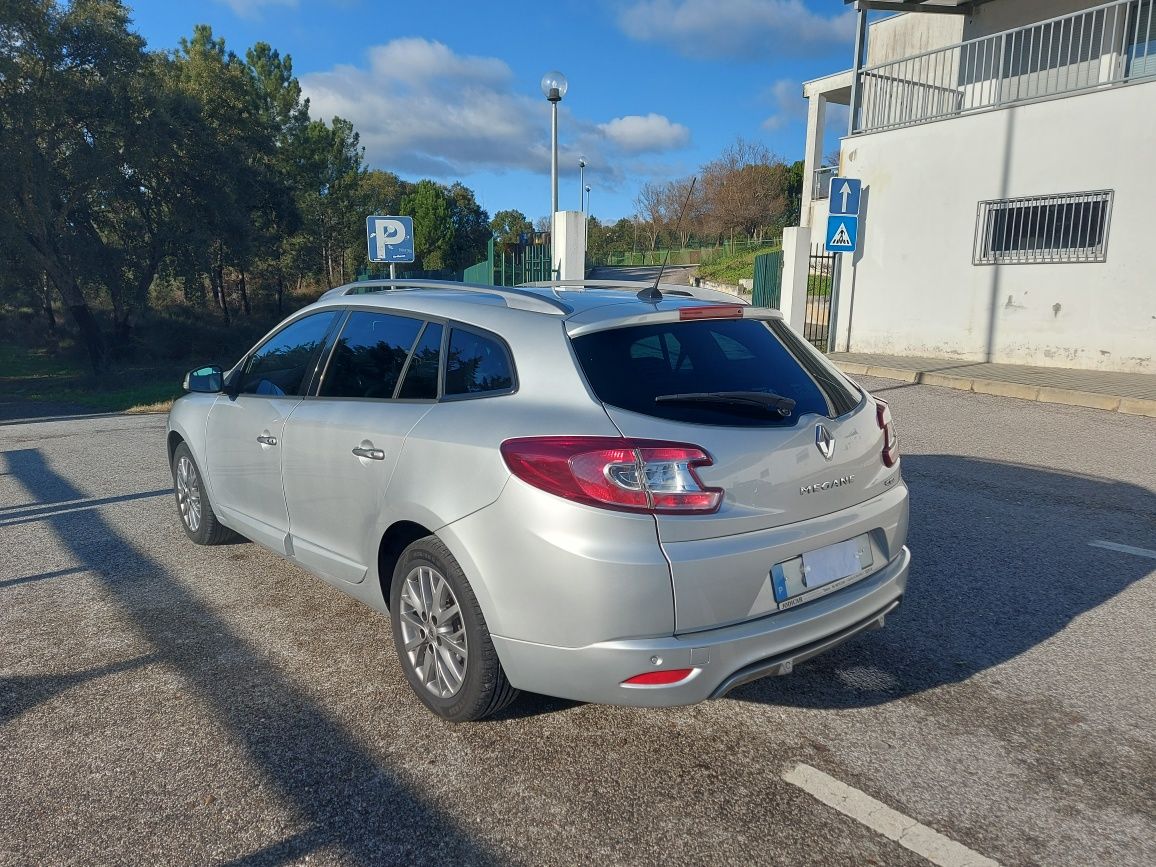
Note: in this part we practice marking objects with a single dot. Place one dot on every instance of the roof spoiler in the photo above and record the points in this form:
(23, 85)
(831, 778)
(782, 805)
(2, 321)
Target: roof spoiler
(678, 290)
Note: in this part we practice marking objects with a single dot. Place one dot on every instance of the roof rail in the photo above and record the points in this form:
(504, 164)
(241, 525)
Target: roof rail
(702, 293)
(519, 299)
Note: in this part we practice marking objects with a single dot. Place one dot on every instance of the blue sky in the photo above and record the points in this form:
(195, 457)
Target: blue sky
(450, 90)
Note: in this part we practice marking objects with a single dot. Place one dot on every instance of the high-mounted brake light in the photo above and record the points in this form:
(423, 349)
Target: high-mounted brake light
(890, 440)
(630, 475)
(659, 678)
(714, 311)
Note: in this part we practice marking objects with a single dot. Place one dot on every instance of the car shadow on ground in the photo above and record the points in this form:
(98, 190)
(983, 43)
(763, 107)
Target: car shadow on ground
(1000, 564)
(351, 801)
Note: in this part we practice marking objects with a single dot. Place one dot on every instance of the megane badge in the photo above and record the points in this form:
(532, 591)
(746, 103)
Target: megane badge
(824, 442)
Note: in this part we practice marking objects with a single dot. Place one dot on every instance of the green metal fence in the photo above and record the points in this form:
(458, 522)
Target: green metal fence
(482, 272)
(680, 256)
(527, 264)
(768, 279)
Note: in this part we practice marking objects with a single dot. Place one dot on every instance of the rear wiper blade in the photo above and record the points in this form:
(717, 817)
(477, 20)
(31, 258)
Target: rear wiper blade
(784, 406)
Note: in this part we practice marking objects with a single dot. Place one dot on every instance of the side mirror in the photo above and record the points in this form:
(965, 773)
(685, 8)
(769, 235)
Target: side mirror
(205, 380)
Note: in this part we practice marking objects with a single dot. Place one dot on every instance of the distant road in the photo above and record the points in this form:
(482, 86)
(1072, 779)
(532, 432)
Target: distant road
(673, 274)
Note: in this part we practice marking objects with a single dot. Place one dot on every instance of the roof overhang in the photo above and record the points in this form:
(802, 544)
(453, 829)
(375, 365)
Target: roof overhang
(835, 88)
(939, 7)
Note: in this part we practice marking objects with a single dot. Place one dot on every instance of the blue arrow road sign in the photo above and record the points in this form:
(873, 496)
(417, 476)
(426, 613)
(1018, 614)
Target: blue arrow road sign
(390, 238)
(844, 196)
(842, 234)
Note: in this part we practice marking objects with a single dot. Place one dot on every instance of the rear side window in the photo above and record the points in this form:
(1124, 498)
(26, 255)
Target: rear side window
(476, 364)
(421, 377)
(630, 367)
(369, 355)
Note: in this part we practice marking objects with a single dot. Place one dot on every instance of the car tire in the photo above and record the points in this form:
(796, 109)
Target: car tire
(193, 507)
(441, 637)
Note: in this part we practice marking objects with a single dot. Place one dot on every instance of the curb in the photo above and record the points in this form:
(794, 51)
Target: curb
(1022, 391)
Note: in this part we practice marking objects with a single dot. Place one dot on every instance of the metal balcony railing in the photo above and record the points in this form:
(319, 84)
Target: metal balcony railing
(821, 185)
(1106, 45)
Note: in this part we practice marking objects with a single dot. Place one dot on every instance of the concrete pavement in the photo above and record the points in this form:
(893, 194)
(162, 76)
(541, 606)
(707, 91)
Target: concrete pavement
(163, 703)
(1132, 393)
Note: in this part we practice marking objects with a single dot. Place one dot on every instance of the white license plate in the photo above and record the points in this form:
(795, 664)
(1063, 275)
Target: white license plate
(829, 564)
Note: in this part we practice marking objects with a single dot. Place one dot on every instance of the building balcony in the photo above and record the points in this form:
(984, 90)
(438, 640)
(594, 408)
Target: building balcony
(1110, 45)
(821, 183)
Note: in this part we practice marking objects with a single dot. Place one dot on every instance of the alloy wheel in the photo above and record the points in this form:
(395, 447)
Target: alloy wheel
(433, 632)
(189, 493)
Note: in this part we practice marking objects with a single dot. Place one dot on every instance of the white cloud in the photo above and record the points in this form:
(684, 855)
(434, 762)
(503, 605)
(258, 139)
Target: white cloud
(747, 29)
(252, 8)
(790, 107)
(786, 96)
(423, 109)
(637, 133)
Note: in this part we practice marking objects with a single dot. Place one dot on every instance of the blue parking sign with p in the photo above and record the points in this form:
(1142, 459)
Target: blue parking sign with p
(390, 238)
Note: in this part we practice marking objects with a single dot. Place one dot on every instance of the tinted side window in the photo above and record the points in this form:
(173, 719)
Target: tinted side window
(369, 355)
(284, 364)
(630, 367)
(477, 364)
(421, 378)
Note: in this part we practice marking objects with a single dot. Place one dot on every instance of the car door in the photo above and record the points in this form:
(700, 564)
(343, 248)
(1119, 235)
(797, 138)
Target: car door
(245, 427)
(342, 446)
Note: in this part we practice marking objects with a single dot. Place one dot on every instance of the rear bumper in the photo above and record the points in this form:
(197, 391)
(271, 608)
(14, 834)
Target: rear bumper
(721, 659)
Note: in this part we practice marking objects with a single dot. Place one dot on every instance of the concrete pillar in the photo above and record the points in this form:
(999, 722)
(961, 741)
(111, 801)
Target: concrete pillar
(813, 156)
(569, 245)
(841, 315)
(796, 267)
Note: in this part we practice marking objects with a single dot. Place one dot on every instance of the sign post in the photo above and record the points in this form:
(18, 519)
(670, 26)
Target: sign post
(843, 222)
(390, 239)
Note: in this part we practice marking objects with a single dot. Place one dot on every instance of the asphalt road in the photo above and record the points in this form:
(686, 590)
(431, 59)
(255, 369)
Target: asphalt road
(162, 703)
(674, 274)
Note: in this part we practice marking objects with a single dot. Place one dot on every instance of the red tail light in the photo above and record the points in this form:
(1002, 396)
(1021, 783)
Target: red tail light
(630, 475)
(890, 440)
(714, 311)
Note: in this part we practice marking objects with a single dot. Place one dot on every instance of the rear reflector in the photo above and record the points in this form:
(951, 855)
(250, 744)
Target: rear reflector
(659, 678)
(715, 311)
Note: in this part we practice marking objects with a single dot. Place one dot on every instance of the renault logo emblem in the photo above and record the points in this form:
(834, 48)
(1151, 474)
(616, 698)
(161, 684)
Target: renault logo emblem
(824, 442)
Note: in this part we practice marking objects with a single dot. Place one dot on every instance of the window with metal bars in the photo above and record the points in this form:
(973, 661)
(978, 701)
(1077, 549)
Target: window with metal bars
(1069, 227)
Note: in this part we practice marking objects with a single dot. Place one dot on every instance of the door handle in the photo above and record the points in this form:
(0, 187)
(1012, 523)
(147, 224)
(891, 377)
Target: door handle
(267, 440)
(372, 454)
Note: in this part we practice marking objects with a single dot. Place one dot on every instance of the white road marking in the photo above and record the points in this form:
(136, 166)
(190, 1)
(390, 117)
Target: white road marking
(892, 824)
(1124, 549)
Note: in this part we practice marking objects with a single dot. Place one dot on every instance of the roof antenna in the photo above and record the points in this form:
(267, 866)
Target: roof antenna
(651, 293)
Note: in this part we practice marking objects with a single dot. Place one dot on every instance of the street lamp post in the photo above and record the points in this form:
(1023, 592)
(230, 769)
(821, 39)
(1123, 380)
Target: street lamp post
(587, 209)
(581, 184)
(554, 86)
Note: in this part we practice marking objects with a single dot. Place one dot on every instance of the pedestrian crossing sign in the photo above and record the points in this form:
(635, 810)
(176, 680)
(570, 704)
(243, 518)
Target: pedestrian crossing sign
(842, 234)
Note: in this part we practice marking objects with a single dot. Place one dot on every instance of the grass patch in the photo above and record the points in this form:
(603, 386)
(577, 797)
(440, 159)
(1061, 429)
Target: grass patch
(146, 378)
(818, 285)
(37, 375)
(732, 267)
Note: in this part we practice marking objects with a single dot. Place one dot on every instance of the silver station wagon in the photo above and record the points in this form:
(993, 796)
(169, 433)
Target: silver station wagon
(605, 492)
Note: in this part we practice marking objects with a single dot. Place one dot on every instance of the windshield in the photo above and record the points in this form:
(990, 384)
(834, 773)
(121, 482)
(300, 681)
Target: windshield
(631, 368)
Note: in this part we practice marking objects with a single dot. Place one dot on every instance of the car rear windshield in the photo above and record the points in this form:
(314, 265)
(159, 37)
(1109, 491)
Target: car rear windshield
(630, 367)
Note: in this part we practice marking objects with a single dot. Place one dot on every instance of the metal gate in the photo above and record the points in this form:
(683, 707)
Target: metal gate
(768, 279)
(522, 264)
(822, 284)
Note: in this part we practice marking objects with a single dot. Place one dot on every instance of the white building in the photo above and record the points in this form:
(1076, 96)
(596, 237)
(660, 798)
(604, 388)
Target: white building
(1007, 151)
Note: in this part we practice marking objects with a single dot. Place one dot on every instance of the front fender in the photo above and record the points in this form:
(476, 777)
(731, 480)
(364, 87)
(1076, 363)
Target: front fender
(188, 420)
